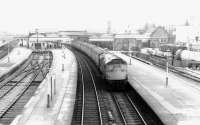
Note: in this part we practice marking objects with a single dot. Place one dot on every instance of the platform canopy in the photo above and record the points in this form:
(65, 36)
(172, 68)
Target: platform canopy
(48, 38)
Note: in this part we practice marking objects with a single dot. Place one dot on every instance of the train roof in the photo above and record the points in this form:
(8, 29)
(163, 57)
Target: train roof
(99, 49)
(109, 57)
(96, 48)
(101, 39)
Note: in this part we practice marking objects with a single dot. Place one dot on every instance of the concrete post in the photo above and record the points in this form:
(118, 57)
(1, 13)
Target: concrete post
(64, 56)
(63, 68)
(48, 91)
(48, 101)
(51, 88)
(167, 74)
(55, 86)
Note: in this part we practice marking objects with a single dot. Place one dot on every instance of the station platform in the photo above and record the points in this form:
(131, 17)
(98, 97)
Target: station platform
(176, 103)
(16, 57)
(53, 102)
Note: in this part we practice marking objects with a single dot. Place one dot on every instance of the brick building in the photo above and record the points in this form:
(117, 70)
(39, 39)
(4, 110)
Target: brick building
(158, 37)
(132, 42)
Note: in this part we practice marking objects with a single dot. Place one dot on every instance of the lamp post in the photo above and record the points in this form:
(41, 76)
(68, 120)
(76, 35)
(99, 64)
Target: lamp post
(167, 71)
(37, 46)
(28, 39)
(37, 34)
(129, 52)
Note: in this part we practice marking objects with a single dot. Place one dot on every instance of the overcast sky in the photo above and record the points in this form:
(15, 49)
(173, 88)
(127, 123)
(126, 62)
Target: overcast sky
(21, 16)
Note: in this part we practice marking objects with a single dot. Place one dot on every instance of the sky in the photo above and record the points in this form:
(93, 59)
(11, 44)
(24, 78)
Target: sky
(22, 16)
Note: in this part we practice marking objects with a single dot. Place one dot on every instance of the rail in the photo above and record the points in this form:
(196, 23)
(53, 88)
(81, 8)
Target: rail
(82, 113)
(120, 110)
(99, 109)
(88, 111)
(181, 71)
(133, 105)
(128, 111)
(11, 95)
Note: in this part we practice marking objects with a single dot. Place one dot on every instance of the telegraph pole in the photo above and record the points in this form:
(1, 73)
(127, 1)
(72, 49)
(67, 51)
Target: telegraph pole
(29, 34)
(167, 71)
(108, 27)
(36, 30)
(8, 53)
(167, 74)
(129, 50)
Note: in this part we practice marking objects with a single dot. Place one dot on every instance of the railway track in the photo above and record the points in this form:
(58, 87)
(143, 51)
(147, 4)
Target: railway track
(15, 92)
(77, 114)
(172, 69)
(108, 101)
(127, 110)
(87, 111)
(4, 50)
(180, 72)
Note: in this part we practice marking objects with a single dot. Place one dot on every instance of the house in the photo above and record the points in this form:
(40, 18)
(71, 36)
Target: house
(159, 37)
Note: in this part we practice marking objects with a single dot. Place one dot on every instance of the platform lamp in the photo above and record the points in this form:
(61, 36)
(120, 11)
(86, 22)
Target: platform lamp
(167, 70)
(129, 52)
(29, 35)
(36, 32)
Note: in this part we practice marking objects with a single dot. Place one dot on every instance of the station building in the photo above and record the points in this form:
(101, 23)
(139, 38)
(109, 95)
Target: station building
(47, 41)
(159, 37)
(153, 38)
(126, 42)
(102, 40)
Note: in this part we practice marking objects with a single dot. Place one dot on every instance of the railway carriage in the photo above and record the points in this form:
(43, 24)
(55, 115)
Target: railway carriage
(113, 68)
(97, 51)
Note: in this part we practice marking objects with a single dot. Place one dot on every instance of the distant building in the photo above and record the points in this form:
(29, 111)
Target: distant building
(148, 28)
(102, 40)
(46, 40)
(81, 35)
(194, 47)
(158, 37)
(188, 36)
(153, 37)
(126, 42)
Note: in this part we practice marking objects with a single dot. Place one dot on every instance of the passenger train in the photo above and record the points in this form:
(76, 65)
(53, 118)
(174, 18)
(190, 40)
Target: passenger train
(113, 68)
